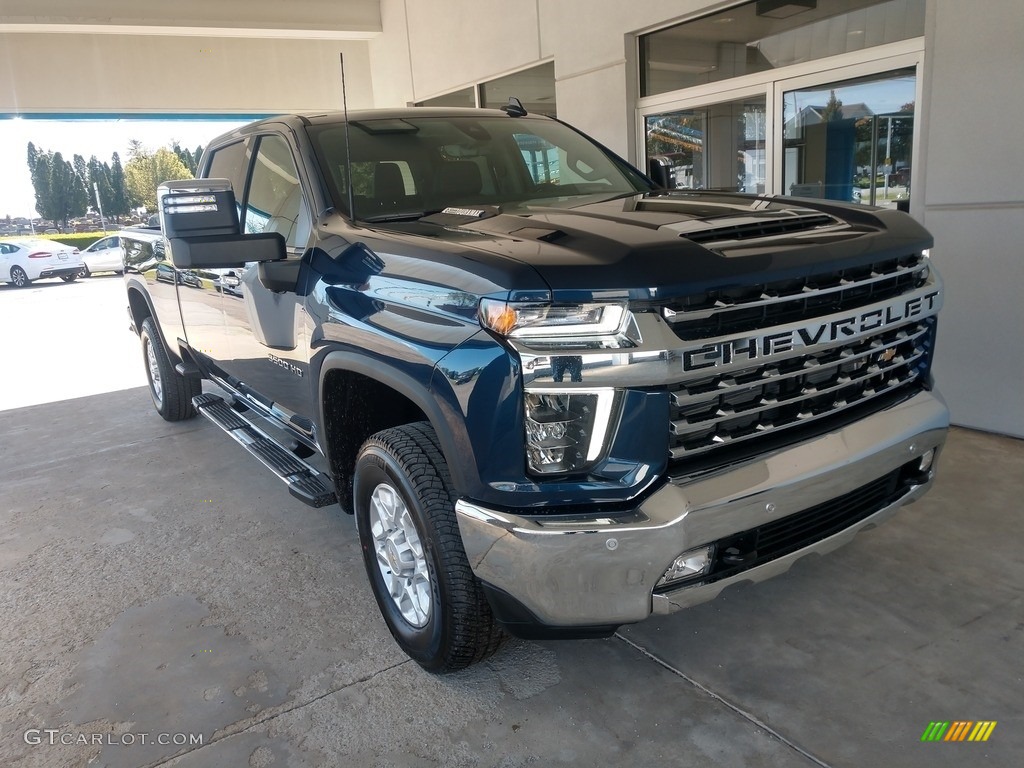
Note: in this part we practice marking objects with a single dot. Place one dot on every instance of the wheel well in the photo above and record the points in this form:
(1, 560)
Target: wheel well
(355, 407)
(138, 306)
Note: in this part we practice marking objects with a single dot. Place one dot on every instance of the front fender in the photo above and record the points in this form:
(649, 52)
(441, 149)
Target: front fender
(451, 434)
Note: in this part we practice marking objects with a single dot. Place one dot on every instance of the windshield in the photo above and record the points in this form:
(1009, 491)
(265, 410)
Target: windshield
(410, 167)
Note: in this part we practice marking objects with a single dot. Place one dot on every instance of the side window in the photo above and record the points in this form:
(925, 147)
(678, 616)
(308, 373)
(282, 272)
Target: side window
(231, 163)
(275, 202)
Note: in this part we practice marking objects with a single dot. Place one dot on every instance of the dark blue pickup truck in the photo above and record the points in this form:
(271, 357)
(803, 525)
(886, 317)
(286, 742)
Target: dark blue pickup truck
(556, 396)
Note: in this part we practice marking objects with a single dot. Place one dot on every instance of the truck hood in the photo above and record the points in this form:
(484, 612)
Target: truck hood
(646, 247)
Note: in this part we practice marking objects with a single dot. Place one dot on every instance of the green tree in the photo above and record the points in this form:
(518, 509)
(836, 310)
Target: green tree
(190, 161)
(146, 171)
(60, 205)
(79, 187)
(39, 170)
(118, 191)
(99, 174)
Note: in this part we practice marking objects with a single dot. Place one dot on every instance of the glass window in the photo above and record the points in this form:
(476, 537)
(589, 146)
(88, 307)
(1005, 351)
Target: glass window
(230, 163)
(758, 36)
(541, 158)
(275, 202)
(534, 87)
(404, 169)
(464, 98)
(852, 140)
(720, 146)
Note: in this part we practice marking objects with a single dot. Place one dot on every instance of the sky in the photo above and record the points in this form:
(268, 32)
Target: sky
(86, 137)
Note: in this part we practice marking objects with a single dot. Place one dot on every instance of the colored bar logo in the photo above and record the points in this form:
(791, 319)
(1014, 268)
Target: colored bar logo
(958, 730)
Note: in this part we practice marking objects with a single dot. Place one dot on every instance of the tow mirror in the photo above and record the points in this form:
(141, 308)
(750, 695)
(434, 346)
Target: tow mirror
(199, 220)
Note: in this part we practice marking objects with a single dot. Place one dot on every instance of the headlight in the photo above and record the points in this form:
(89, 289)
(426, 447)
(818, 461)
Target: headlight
(566, 431)
(557, 323)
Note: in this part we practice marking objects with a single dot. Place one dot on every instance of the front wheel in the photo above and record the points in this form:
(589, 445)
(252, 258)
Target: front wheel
(418, 569)
(172, 393)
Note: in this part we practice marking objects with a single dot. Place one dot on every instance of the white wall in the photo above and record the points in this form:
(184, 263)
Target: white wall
(389, 58)
(165, 74)
(974, 205)
(454, 43)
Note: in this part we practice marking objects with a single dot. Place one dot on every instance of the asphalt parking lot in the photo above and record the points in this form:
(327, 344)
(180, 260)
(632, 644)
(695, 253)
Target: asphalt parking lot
(165, 602)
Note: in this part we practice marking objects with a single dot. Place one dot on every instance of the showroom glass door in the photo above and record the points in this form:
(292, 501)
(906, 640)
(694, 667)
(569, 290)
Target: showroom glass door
(851, 140)
(716, 146)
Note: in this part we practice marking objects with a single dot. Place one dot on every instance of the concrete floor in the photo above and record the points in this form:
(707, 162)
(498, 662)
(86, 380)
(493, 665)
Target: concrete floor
(154, 579)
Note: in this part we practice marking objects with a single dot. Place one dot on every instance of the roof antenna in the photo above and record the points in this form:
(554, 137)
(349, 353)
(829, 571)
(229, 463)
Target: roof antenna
(514, 108)
(348, 145)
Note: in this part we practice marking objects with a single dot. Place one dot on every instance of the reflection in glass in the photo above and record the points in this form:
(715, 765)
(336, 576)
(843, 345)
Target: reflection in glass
(719, 147)
(534, 87)
(464, 98)
(743, 40)
(851, 141)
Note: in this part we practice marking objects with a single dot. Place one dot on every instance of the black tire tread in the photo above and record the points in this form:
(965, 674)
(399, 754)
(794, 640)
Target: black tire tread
(178, 390)
(476, 635)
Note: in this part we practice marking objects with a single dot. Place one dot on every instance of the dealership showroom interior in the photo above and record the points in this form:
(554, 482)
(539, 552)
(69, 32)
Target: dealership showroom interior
(604, 383)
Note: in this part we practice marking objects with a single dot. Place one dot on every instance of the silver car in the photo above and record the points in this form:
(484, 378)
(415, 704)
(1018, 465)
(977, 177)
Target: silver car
(103, 256)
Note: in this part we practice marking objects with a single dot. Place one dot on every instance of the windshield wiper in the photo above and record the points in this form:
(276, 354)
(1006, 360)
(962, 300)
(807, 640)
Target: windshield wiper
(469, 212)
(404, 216)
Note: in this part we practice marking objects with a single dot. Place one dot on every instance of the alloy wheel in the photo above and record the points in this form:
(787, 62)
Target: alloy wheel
(155, 383)
(400, 556)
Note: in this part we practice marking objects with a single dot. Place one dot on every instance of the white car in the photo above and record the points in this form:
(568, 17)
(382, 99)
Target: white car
(22, 261)
(103, 256)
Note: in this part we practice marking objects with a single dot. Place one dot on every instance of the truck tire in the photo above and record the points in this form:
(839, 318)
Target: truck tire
(418, 569)
(172, 393)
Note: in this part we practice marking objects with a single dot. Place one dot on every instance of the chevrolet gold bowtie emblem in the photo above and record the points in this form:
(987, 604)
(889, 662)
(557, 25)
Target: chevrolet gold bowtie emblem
(887, 355)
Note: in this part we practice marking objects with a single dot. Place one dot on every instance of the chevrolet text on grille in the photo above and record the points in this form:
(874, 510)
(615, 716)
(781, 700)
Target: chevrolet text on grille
(754, 347)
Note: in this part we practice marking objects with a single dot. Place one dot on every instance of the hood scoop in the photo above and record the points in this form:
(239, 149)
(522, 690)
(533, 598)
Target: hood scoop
(538, 233)
(753, 227)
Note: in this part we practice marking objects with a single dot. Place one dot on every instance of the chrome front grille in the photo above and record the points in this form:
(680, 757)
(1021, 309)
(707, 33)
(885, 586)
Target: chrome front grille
(725, 409)
(737, 309)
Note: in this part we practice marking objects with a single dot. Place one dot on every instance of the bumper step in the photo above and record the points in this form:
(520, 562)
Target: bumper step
(304, 482)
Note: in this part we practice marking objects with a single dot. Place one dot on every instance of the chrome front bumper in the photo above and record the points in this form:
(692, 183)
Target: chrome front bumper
(593, 571)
